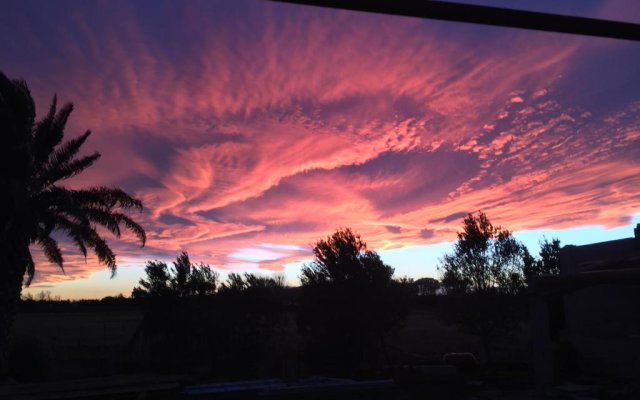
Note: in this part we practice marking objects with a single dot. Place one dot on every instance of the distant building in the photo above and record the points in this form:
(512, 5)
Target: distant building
(586, 321)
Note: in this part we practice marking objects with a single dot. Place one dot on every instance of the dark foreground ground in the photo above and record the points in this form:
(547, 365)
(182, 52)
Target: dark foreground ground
(85, 344)
(82, 354)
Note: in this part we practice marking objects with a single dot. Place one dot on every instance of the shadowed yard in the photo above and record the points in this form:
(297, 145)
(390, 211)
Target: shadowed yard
(79, 344)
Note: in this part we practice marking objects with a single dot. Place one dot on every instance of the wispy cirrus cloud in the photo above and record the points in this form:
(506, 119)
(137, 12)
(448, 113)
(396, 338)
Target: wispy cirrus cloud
(251, 124)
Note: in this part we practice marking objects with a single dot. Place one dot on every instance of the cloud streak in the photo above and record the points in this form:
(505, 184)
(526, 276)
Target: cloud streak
(252, 129)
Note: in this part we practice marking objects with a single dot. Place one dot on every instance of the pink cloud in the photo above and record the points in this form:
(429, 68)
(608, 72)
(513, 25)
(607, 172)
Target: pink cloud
(266, 123)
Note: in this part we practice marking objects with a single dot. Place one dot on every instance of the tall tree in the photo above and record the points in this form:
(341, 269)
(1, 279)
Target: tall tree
(203, 281)
(486, 265)
(157, 283)
(548, 261)
(34, 161)
(180, 283)
(348, 302)
(184, 279)
(485, 258)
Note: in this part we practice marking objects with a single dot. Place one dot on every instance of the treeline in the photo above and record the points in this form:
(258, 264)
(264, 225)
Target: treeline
(337, 322)
(485, 278)
(251, 326)
(348, 303)
(194, 321)
(232, 334)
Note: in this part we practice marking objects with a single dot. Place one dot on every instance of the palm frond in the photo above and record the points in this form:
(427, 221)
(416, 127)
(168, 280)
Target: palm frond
(31, 268)
(133, 226)
(50, 248)
(41, 132)
(104, 218)
(76, 231)
(105, 254)
(85, 235)
(60, 120)
(112, 220)
(65, 152)
(93, 240)
(54, 173)
(54, 194)
(108, 197)
(46, 222)
(49, 133)
(60, 201)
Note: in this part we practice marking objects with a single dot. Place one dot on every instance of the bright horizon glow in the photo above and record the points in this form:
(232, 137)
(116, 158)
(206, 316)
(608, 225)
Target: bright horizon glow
(252, 129)
(413, 262)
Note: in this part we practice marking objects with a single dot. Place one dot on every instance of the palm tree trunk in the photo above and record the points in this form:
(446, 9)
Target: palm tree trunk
(12, 268)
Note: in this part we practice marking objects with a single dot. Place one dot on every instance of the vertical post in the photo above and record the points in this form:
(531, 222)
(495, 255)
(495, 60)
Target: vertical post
(541, 336)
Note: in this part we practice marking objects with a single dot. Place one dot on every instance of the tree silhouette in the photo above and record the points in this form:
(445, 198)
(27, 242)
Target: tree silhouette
(347, 304)
(251, 282)
(157, 282)
(251, 319)
(485, 258)
(486, 265)
(234, 283)
(203, 281)
(33, 163)
(181, 282)
(184, 279)
(191, 320)
(548, 262)
(178, 313)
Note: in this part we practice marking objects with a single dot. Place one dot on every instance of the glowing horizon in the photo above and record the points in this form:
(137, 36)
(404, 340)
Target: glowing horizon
(252, 129)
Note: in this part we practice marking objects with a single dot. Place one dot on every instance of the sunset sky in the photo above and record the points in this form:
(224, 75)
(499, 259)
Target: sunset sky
(252, 129)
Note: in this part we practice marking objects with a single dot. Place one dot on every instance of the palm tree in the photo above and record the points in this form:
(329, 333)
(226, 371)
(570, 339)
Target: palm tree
(34, 204)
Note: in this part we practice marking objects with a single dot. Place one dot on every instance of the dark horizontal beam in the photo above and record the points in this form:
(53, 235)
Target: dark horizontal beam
(486, 15)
